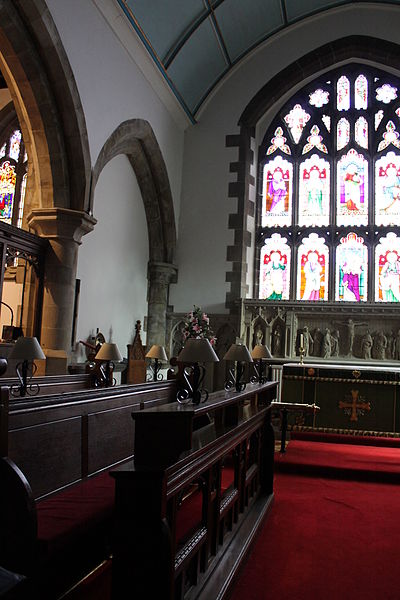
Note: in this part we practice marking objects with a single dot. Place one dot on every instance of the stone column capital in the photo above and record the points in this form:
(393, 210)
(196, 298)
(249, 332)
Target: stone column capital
(61, 223)
(163, 273)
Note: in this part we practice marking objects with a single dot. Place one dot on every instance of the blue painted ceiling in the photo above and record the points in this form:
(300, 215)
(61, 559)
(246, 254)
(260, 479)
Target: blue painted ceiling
(196, 42)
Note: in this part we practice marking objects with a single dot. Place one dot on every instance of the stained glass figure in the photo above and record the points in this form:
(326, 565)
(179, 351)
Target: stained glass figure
(7, 190)
(387, 269)
(319, 98)
(351, 269)
(343, 93)
(387, 190)
(278, 142)
(390, 136)
(15, 144)
(275, 269)
(327, 122)
(386, 93)
(277, 192)
(361, 132)
(22, 201)
(352, 189)
(343, 133)
(361, 92)
(312, 269)
(314, 141)
(296, 120)
(314, 178)
(378, 118)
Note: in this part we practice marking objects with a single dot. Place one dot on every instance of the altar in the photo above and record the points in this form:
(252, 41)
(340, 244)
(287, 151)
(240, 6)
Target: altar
(362, 399)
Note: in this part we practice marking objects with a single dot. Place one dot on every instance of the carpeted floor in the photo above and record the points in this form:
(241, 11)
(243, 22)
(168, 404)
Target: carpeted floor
(328, 538)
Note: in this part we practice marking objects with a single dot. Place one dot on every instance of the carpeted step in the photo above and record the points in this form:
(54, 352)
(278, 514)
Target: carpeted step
(343, 438)
(341, 461)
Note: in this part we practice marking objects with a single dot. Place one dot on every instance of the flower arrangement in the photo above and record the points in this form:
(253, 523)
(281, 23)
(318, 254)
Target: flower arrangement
(198, 326)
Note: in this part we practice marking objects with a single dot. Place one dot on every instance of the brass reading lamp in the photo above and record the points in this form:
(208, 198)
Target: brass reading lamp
(26, 350)
(158, 353)
(195, 351)
(108, 355)
(240, 354)
(259, 354)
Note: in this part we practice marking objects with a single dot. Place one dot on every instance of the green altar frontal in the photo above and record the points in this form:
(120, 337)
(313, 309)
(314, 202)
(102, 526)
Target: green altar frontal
(350, 398)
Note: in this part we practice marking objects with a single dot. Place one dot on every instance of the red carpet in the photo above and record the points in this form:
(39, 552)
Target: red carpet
(326, 538)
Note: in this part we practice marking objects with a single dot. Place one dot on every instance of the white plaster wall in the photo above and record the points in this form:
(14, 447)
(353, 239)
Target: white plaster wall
(111, 86)
(203, 233)
(112, 261)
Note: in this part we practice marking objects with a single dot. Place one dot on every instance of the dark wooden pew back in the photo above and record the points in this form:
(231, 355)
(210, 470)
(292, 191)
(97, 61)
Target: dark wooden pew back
(55, 384)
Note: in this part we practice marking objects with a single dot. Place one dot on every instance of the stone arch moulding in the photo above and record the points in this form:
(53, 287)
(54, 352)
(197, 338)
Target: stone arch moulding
(376, 51)
(39, 77)
(135, 138)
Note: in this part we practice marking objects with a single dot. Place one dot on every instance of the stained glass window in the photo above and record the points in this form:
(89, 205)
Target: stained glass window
(351, 269)
(13, 169)
(3, 150)
(343, 93)
(8, 179)
(296, 119)
(330, 165)
(343, 133)
(387, 189)
(277, 186)
(314, 181)
(361, 132)
(312, 269)
(352, 189)
(361, 92)
(275, 269)
(387, 269)
(15, 144)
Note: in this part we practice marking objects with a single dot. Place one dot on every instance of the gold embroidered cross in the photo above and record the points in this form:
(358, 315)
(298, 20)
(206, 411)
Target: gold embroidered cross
(355, 405)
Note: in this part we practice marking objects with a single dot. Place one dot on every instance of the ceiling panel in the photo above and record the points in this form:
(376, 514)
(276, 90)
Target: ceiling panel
(296, 9)
(243, 24)
(198, 65)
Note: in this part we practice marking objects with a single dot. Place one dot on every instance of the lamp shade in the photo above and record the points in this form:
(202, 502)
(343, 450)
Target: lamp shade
(238, 352)
(27, 348)
(108, 351)
(157, 352)
(197, 350)
(261, 351)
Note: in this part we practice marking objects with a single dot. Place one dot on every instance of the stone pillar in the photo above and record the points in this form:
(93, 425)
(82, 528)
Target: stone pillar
(64, 229)
(159, 276)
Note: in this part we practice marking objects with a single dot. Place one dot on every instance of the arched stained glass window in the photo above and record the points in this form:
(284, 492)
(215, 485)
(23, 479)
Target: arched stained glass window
(275, 269)
(329, 191)
(387, 269)
(312, 269)
(13, 175)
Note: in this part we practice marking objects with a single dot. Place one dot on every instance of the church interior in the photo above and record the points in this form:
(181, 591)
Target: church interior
(200, 272)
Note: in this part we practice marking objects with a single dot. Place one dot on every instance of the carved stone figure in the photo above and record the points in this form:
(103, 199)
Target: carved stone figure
(366, 346)
(307, 340)
(318, 339)
(326, 348)
(380, 344)
(396, 354)
(335, 342)
(259, 336)
(277, 342)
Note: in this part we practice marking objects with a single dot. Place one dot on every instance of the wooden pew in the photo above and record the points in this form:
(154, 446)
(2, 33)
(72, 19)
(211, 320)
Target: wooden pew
(192, 501)
(55, 384)
(57, 497)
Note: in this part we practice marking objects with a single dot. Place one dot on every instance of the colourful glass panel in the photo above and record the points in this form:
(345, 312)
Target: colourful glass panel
(352, 189)
(343, 93)
(361, 132)
(351, 269)
(327, 122)
(343, 133)
(378, 118)
(314, 141)
(314, 182)
(387, 190)
(391, 136)
(277, 193)
(22, 201)
(275, 269)
(7, 191)
(15, 144)
(3, 151)
(312, 269)
(296, 121)
(386, 93)
(319, 98)
(278, 142)
(387, 269)
(361, 92)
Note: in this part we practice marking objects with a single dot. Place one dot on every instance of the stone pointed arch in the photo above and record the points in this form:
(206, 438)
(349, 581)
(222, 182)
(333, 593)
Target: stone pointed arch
(39, 77)
(135, 138)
